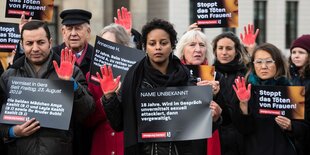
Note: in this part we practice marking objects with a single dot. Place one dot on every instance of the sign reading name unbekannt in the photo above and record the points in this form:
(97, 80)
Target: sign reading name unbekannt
(174, 113)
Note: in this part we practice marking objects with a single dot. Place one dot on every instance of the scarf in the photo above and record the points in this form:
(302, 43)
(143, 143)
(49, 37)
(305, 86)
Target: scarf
(177, 75)
(44, 70)
(280, 81)
(231, 67)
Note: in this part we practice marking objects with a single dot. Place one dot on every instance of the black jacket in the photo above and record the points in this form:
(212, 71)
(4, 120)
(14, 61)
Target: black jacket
(262, 135)
(48, 141)
(1, 68)
(230, 138)
(83, 135)
(303, 139)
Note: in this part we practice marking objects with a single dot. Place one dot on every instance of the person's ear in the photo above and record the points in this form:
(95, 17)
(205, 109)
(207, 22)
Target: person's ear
(88, 33)
(63, 31)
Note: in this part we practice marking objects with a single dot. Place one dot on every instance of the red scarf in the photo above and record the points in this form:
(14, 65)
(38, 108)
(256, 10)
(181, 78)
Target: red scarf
(79, 60)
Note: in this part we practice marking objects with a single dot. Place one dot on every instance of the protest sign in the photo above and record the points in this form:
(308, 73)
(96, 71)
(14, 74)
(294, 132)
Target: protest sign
(288, 101)
(9, 36)
(215, 13)
(174, 113)
(49, 101)
(119, 57)
(37, 9)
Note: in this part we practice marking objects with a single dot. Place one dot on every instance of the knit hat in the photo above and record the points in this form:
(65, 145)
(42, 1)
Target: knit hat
(302, 42)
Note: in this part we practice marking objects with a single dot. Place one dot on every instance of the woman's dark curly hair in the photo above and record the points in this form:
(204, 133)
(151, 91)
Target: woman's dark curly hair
(159, 24)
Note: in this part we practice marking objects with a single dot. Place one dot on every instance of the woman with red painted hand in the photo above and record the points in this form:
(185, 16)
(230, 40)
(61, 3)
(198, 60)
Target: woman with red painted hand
(124, 19)
(264, 135)
(300, 73)
(160, 68)
(249, 38)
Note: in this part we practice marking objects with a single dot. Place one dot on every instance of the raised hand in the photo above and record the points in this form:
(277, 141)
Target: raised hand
(107, 83)
(23, 21)
(27, 128)
(124, 19)
(67, 61)
(242, 92)
(194, 26)
(249, 36)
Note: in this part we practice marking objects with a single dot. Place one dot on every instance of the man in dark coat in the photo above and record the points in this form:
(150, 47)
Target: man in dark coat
(40, 62)
(76, 33)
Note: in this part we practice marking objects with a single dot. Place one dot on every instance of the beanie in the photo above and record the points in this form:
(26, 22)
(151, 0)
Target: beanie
(302, 42)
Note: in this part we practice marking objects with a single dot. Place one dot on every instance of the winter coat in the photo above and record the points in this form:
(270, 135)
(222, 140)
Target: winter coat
(262, 135)
(83, 135)
(303, 140)
(121, 111)
(48, 141)
(231, 139)
(105, 141)
(85, 64)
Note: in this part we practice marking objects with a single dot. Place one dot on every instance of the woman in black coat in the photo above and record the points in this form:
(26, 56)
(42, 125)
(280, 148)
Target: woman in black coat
(265, 135)
(160, 68)
(230, 63)
(300, 73)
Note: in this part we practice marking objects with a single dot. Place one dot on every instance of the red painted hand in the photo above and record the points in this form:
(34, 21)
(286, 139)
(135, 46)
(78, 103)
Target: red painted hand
(124, 19)
(107, 83)
(67, 60)
(249, 36)
(242, 92)
(23, 21)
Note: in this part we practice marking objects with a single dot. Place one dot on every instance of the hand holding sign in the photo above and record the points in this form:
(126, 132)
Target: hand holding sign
(284, 122)
(27, 128)
(67, 60)
(124, 19)
(216, 111)
(107, 83)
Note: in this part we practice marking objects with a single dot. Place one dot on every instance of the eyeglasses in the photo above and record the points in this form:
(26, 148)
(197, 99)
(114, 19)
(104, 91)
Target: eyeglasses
(260, 62)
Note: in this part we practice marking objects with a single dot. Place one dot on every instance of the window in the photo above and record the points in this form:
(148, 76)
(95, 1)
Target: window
(291, 22)
(53, 27)
(260, 20)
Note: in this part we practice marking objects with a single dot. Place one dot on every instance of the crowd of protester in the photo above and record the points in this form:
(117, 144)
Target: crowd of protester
(104, 120)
